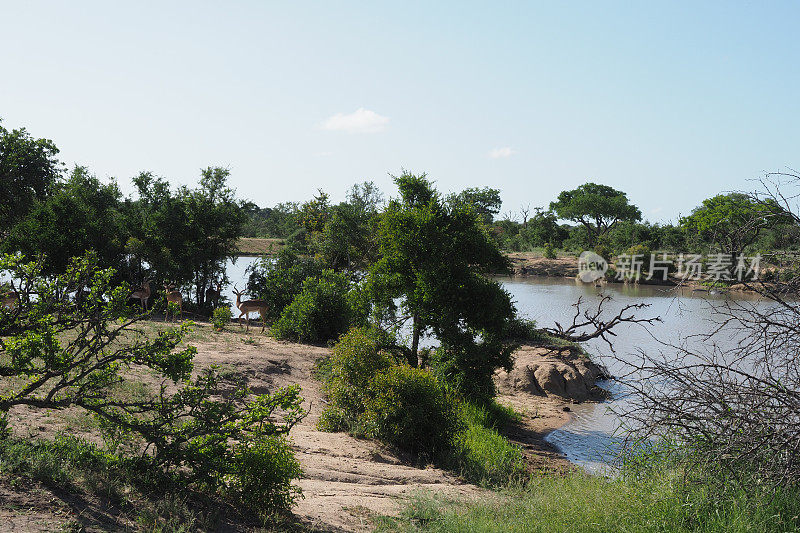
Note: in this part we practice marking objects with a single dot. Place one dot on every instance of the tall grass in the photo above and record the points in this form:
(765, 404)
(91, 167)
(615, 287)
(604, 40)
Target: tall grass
(479, 453)
(658, 499)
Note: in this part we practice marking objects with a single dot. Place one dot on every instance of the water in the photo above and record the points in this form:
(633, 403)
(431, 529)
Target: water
(590, 438)
(237, 275)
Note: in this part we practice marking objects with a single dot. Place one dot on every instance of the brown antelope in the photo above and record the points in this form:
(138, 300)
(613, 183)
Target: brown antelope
(213, 294)
(251, 306)
(9, 300)
(173, 297)
(142, 294)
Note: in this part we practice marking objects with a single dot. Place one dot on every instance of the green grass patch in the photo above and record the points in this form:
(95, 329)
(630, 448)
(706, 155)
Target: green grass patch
(658, 500)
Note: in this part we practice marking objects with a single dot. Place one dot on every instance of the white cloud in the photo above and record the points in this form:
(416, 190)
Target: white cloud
(500, 153)
(360, 121)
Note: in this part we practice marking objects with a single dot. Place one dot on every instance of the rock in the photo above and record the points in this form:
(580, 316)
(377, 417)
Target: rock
(541, 371)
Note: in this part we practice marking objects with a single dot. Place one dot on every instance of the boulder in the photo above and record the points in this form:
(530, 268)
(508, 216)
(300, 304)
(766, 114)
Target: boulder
(542, 372)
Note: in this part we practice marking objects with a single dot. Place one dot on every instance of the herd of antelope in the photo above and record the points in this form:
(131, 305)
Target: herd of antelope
(213, 294)
(10, 300)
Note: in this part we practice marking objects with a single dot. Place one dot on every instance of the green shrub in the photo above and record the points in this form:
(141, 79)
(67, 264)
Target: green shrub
(549, 252)
(644, 253)
(262, 476)
(411, 409)
(221, 317)
(354, 362)
(279, 281)
(604, 251)
(325, 308)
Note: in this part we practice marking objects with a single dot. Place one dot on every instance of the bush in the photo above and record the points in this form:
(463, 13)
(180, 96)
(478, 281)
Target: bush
(278, 282)
(55, 355)
(411, 409)
(262, 476)
(325, 308)
(604, 251)
(371, 395)
(221, 317)
(549, 252)
(354, 362)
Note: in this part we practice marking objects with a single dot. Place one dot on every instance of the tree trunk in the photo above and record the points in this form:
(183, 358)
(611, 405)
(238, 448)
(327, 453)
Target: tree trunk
(412, 359)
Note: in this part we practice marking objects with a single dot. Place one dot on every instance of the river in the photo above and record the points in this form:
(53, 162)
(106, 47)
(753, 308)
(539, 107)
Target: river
(590, 438)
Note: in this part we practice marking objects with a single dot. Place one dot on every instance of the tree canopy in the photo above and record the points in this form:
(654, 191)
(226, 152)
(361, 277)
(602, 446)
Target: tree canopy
(597, 207)
(732, 221)
(29, 171)
(434, 258)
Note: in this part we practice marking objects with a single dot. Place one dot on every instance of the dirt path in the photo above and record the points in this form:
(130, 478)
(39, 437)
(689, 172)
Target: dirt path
(346, 480)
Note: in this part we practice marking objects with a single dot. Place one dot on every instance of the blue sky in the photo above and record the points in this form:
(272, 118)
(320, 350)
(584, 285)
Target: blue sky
(671, 102)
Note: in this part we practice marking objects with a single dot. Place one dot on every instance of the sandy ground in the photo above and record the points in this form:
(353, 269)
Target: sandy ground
(346, 480)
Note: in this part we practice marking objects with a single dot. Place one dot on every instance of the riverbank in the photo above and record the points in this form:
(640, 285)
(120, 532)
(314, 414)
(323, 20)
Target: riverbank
(347, 481)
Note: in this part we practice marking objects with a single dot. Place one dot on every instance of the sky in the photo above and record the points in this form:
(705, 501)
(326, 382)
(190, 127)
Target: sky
(671, 102)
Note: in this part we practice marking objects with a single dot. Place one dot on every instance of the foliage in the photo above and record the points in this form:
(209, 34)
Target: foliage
(370, 394)
(279, 281)
(327, 306)
(56, 352)
(221, 317)
(597, 207)
(549, 252)
(355, 360)
(732, 221)
(485, 202)
(434, 260)
(29, 171)
(279, 221)
(348, 240)
(80, 214)
(187, 235)
(543, 229)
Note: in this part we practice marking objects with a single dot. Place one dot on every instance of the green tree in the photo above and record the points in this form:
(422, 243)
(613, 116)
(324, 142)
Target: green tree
(348, 240)
(29, 171)
(597, 207)
(186, 236)
(542, 228)
(435, 257)
(58, 353)
(732, 221)
(485, 201)
(80, 214)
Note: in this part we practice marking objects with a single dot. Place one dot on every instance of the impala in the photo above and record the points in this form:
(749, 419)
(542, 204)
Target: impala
(250, 306)
(9, 300)
(212, 294)
(142, 294)
(173, 297)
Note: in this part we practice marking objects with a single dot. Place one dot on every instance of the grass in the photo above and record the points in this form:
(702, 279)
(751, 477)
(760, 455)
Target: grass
(258, 246)
(583, 503)
(480, 453)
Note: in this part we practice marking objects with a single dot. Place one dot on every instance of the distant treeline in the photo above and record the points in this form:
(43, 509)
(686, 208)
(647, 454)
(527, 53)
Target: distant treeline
(184, 235)
(590, 217)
